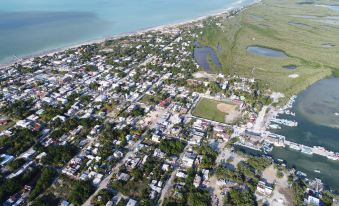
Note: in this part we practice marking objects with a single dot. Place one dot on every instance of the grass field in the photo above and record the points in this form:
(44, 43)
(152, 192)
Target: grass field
(215, 110)
(280, 25)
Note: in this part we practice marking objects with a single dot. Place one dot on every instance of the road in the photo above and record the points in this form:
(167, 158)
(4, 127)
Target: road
(104, 183)
(260, 121)
(169, 183)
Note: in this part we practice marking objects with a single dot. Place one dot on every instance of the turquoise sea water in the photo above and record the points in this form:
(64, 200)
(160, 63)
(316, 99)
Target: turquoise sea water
(34, 26)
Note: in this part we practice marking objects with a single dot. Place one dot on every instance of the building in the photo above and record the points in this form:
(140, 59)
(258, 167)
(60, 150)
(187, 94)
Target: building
(132, 202)
(265, 188)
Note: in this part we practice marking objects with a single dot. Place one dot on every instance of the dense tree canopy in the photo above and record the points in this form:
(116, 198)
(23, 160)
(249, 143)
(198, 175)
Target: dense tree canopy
(172, 146)
(80, 192)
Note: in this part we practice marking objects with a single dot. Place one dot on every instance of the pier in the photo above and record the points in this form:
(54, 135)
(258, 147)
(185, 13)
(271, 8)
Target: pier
(312, 150)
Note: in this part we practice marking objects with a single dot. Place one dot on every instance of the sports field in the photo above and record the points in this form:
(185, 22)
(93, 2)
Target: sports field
(303, 31)
(216, 110)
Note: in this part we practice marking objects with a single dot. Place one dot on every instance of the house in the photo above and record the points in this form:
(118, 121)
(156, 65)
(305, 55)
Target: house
(132, 202)
(156, 138)
(165, 167)
(313, 201)
(64, 203)
(5, 159)
(3, 121)
(265, 188)
(181, 174)
(123, 177)
(165, 102)
(197, 181)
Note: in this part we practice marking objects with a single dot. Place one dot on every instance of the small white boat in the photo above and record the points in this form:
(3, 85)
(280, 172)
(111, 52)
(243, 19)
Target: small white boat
(316, 171)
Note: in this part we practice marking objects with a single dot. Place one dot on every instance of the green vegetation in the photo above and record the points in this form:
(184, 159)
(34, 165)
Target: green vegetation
(238, 197)
(232, 141)
(207, 108)
(138, 185)
(198, 197)
(18, 110)
(151, 99)
(16, 164)
(209, 156)
(91, 68)
(20, 141)
(267, 24)
(45, 180)
(280, 174)
(259, 163)
(46, 200)
(172, 146)
(80, 192)
(59, 155)
(102, 198)
(13, 185)
(190, 195)
(246, 175)
(51, 112)
(298, 188)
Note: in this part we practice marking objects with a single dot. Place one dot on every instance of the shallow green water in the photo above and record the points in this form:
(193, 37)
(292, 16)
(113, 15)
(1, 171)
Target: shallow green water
(316, 110)
(329, 169)
(262, 51)
(318, 126)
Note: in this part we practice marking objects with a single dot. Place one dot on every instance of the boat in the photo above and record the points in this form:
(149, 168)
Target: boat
(274, 126)
(301, 174)
(306, 150)
(316, 171)
(267, 147)
(294, 146)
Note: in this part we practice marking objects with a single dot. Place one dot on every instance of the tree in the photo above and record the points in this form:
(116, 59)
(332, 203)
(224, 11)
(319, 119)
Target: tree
(198, 198)
(20, 141)
(209, 156)
(239, 198)
(46, 200)
(16, 164)
(280, 174)
(80, 192)
(45, 180)
(172, 146)
(58, 155)
(13, 185)
(259, 163)
(102, 198)
(298, 188)
(327, 198)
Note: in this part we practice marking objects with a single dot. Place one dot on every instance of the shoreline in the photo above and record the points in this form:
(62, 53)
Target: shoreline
(164, 27)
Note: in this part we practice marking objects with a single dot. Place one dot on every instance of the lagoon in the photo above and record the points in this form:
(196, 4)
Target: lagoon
(318, 125)
(204, 56)
(263, 51)
(34, 26)
(308, 163)
(316, 113)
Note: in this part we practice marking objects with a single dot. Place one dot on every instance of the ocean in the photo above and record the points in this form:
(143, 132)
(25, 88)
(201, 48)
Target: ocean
(35, 26)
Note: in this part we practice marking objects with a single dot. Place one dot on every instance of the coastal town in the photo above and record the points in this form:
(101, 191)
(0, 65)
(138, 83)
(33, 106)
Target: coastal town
(136, 121)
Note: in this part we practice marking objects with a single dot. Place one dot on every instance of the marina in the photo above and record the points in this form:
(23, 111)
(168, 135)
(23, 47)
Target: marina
(285, 122)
